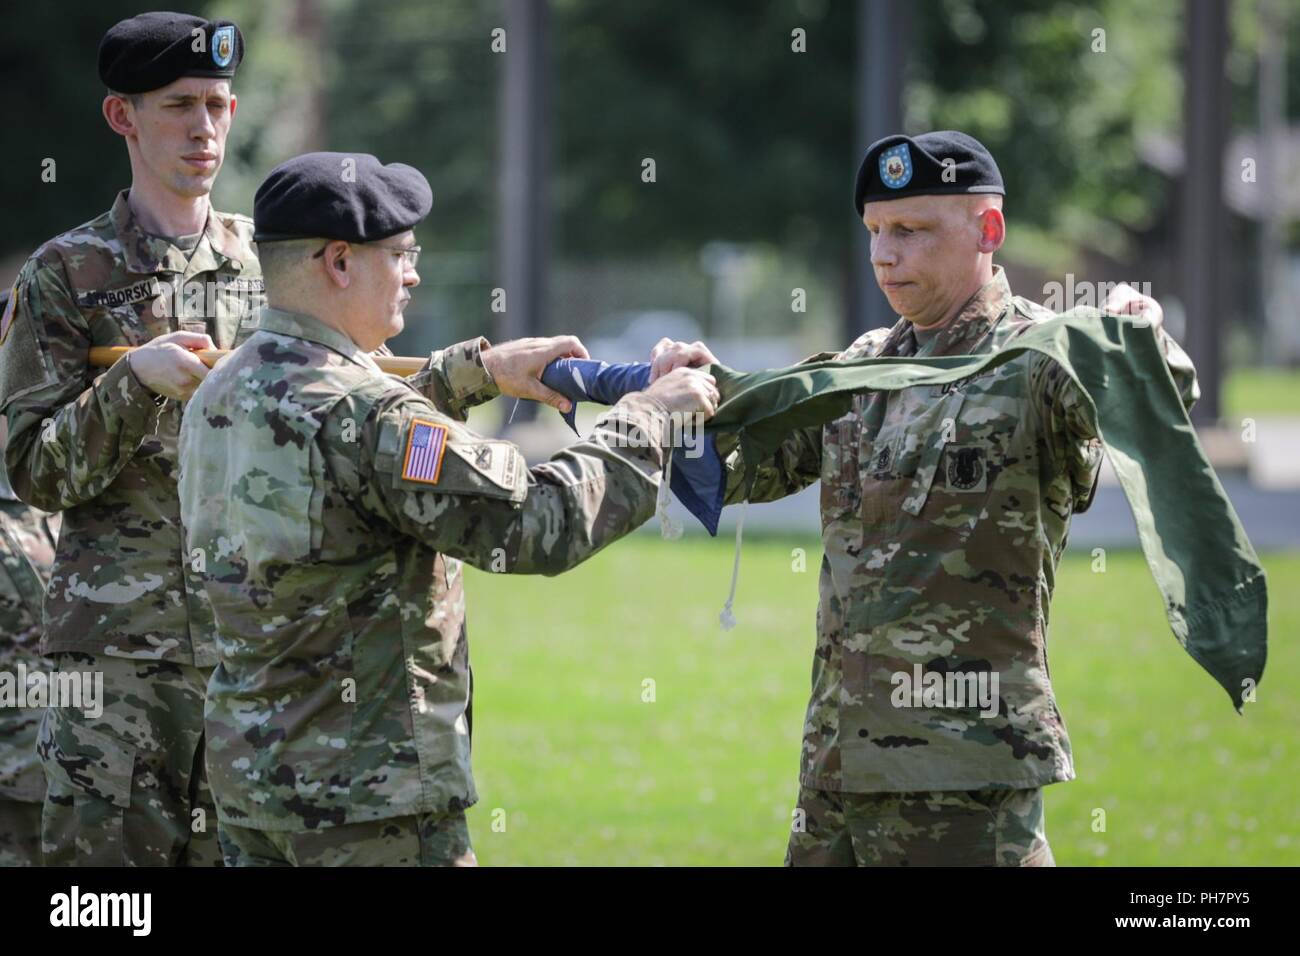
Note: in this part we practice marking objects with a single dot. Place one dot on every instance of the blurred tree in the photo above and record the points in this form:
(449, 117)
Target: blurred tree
(1060, 93)
(417, 83)
(751, 140)
(280, 89)
(48, 67)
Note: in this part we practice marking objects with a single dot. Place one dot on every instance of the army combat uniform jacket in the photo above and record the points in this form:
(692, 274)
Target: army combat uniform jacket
(97, 445)
(331, 507)
(945, 511)
(26, 552)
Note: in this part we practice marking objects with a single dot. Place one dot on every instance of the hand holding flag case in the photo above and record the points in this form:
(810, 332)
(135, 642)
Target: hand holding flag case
(698, 480)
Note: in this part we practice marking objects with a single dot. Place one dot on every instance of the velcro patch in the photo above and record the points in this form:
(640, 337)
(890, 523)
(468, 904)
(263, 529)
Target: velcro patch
(497, 461)
(966, 468)
(425, 444)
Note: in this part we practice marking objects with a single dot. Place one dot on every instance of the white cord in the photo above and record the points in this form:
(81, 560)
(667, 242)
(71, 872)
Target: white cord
(727, 619)
(670, 529)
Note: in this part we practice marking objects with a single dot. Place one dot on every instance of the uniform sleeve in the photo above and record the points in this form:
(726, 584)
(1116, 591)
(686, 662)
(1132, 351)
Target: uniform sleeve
(476, 499)
(1068, 430)
(454, 379)
(70, 434)
(795, 465)
(1068, 433)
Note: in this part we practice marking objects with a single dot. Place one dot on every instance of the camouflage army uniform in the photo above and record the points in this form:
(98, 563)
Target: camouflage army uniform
(26, 552)
(945, 511)
(332, 560)
(101, 448)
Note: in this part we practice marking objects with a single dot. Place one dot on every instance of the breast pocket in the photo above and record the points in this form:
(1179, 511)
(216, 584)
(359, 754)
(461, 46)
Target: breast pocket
(957, 489)
(960, 465)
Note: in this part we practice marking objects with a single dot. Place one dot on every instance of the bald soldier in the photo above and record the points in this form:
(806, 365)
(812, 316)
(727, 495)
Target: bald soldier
(331, 507)
(932, 726)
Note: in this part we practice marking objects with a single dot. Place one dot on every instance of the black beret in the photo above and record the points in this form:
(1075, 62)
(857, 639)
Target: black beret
(900, 166)
(151, 50)
(349, 196)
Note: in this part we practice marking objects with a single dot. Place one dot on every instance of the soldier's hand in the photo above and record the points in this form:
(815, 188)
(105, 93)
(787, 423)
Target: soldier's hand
(669, 355)
(168, 366)
(687, 391)
(517, 366)
(1126, 300)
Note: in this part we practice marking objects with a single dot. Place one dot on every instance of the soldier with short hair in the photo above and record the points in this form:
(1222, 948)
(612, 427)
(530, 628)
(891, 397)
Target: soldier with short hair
(163, 271)
(932, 726)
(333, 505)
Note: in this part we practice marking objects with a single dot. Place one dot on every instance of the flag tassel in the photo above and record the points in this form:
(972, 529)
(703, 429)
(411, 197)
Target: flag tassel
(727, 618)
(669, 528)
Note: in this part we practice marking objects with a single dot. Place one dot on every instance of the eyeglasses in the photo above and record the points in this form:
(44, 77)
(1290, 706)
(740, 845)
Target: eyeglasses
(409, 254)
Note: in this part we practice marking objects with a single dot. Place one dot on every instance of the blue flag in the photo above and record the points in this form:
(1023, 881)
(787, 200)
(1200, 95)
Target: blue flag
(697, 478)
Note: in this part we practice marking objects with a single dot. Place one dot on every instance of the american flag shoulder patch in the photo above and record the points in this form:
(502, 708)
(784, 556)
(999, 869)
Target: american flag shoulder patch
(425, 444)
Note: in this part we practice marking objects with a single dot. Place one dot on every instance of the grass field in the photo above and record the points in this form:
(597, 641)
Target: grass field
(1261, 391)
(573, 767)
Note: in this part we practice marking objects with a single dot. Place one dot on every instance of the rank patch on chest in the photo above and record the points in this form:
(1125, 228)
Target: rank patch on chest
(880, 463)
(424, 449)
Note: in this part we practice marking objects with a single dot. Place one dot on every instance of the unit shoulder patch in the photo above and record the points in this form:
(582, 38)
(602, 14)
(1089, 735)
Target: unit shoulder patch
(436, 456)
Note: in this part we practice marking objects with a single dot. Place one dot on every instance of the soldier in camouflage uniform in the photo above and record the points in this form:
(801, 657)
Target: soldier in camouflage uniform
(332, 507)
(164, 271)
(944, 514)
(27, 539)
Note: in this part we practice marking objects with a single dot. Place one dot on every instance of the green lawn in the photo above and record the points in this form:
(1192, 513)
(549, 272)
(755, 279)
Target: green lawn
(587, 772)
(1250, 392)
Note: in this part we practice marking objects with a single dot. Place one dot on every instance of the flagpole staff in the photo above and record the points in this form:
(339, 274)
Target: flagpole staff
(104, 356)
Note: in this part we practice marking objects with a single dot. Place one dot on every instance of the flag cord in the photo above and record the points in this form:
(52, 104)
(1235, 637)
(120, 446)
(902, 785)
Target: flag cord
(727, 619)
(669, 528)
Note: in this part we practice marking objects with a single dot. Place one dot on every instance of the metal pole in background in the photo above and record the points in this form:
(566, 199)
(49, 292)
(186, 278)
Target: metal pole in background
(1280, 335)
(878, 100)
(1204, 218)
(523, 220)
(308, 25)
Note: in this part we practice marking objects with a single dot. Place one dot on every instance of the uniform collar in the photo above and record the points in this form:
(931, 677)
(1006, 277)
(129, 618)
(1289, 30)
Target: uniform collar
(299, 325)
(146, 254)
(968, 331)
(223, 245)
